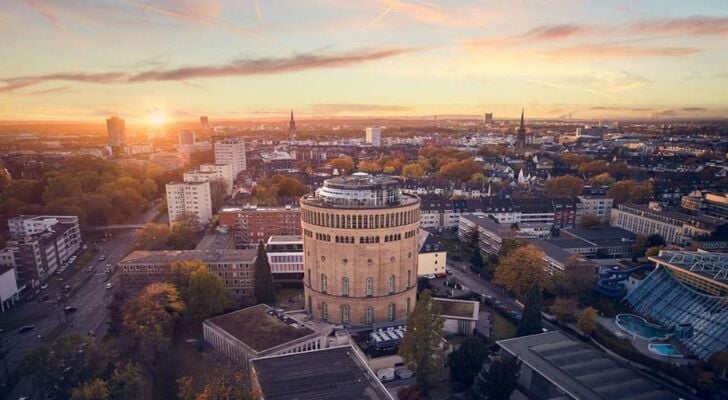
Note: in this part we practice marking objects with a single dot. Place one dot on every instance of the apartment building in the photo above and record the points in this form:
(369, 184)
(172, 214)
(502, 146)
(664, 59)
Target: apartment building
(212, 172)
(675, 227)
(598, 206)
(189, 198)
(230, 150)
(252, 224)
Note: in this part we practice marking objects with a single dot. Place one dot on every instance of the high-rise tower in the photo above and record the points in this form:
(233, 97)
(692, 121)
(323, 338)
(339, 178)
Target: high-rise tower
(360, 250)
(116, 129)
(292, 128)
(521, 134)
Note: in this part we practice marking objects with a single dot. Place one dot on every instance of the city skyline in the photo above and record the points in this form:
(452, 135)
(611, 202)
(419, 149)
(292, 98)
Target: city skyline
(159, 61)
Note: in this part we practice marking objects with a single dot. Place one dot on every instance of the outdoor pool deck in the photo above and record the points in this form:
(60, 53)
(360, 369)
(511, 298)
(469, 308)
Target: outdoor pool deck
(640, 344)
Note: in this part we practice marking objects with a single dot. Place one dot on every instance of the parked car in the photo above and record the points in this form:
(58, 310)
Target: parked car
(26, 328)
(404, 373)
(102, 258)
(109, 285)
(385, 374)
(67, 288)
(70, 309)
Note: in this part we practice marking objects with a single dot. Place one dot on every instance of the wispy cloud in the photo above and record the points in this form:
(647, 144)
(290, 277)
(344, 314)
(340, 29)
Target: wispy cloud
(243, 67)
(693, 26)
(46, 11)
(618, 51)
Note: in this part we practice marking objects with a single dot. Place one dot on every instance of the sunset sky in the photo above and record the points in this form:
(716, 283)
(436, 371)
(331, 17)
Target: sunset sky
(86, 60)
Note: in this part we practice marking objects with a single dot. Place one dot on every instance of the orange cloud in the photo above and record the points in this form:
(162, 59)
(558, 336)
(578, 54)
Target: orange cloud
(618, 51)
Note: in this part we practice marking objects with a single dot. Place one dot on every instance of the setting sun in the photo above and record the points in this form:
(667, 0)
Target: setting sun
(157, 118)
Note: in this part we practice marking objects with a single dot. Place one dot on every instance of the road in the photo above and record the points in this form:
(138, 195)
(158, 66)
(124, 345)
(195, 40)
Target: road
(89, 295)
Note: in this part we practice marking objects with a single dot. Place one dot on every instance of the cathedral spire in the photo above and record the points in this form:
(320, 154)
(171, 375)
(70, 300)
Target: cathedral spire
(292, 128)
(522, 124)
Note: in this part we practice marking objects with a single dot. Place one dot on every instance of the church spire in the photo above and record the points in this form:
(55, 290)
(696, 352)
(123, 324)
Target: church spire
(292, 128)
(522, 124)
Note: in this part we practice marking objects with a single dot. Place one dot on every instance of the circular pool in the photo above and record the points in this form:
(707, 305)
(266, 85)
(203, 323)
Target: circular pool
(638, 326)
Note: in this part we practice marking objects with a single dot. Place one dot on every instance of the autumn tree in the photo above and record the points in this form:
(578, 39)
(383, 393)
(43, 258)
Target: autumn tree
(630, 191)
(563, 186)
(343, 164)
(370, 166)
(576, 279)
(183, 234)
(264, 291)
(530, 323)
(421, 347)
(152, 237)
(461, 170)
(564, 308)
(592, 168)
(413, 170)
(603, 179)
(587, 321)
(520, 269)
(126, 382)
(590, 221)
(496, 381)
(205, 294)
(218, 193)
(465, 362)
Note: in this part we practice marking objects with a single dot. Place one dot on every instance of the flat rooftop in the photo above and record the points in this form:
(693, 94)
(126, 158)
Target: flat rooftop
(458, 308)
(216, 241)
(330, 374)
(257, 329)
(581, 371)
(206, 256)
(285, 239)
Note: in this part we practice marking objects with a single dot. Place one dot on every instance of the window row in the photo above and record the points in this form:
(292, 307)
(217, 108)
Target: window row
(346, 313)
(348, 221)
(363, 239)
(368, 284)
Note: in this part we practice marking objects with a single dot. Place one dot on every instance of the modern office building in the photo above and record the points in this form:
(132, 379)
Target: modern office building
(675, 227)
(204, 122)
(186, 138)
(374, 136)
(556, 367)
(360, 244)
(189, 198)
(285, 256)
(230, 150)
(710, 204)
(236, 269)
(40, 244)
(116, 130)
(212, 172)
(688, 293)
(252, 224)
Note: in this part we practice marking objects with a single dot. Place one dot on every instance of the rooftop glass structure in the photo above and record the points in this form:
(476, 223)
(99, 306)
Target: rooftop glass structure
(359, 190)
(686, 293)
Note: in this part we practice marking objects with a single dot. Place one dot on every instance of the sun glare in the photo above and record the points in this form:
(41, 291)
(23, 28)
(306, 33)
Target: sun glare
(157, 118)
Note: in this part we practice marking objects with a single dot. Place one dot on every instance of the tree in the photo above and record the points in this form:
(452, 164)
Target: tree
(718, 362)
(225, 384)
(576, 279)
(182, 272)
(593, 167)
(205, 294)
(183, 235)
(465, 362)
(97, 389)
(602, 180)
(218, 193)
(587, 321)
(264, 292)
(496, 381)
(152, 237)
(520, 269)
(530, 323)
(630, 191)
(461, 170)
(413, 170)
(590, 221)
(642, 243)
(564, 308)
(508, 245)
(344, 164)
(476, 260)
(563, 186)
(370, 166)
(421, 347)
(126, 382)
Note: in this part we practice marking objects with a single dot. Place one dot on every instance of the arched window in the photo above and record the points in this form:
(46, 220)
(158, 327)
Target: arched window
(409, 279)
(370, 315)
(391, 284)
(345, 315)
(390, 312)
(344, 286)
(408, 306)
(309, 277)
(324, 311)
(324, 283)
(369, 287)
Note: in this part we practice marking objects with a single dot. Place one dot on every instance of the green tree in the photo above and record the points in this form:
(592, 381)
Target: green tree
(587, 321)
(205, 294)
(421, 347)
(126, 382)
(530, 323)
(465, 362)
(149, 189)
(264, 292)
(576, 279)
(590, 221)
(152, 237)
(97, 389)
(183, 235)
(496, 381)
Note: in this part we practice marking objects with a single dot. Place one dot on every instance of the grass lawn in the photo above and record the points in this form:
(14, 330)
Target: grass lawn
(503, 328)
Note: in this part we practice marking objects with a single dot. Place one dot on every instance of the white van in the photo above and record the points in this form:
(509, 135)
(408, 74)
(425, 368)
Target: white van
(386, 374)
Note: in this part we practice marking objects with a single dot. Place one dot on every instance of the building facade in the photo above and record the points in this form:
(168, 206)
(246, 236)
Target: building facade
(598, 206)
(236, 268)
(675, 227)
(285, 256)
(230, 150)
(360, 250)
(116, 130)
(212, 172)
(189, 198)
(374, 136)
(252, 224)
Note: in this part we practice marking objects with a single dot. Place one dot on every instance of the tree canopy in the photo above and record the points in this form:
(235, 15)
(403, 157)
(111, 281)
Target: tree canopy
(520, 269)
(496, 381)
(264, 291)
(465, 362)
(530, 323)
(563, 186)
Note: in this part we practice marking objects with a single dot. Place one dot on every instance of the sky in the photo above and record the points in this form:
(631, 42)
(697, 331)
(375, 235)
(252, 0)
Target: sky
(151, 60)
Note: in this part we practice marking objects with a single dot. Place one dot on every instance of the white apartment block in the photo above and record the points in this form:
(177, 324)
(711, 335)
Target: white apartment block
(230, 150)
(210, 172)
(28, 225)
(285, 256)
(374, 136)
(192, 198)
(674, 227)
(599, 206)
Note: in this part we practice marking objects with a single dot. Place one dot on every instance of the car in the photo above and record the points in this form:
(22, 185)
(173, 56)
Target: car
(67, 288)
(44, 286)
(404, 373)
(385, 374)
(85, 246)
(430, 276)
(448, 272)
(102, 258)
(70, 309)
(109, 285)
(90, 269)
(26, 328)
